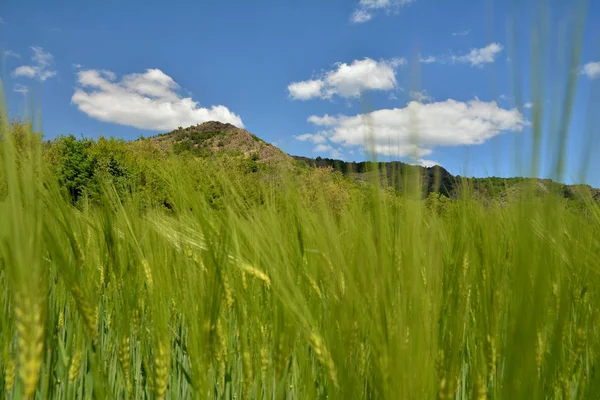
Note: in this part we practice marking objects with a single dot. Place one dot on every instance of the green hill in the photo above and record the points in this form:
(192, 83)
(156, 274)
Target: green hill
(216, 137)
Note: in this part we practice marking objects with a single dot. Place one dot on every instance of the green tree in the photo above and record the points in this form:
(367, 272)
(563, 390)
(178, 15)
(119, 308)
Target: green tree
(76, 167)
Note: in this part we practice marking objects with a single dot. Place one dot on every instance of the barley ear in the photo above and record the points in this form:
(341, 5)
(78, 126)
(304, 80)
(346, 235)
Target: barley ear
(161, 370)
(10, 372)
(30, 342)
(88, 312)
(124, 359)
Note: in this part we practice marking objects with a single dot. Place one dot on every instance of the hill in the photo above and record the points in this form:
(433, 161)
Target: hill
(217, 137)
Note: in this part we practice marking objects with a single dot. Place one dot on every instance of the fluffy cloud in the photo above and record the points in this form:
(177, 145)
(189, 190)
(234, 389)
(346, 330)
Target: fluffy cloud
(39, 69)
(447, 123)
(361, 16)
(427, 163)
(306, 89)
(478, 57)
(365, 9)
(149, 100)
(421, 97)
(26, 71)
(591, 70)
(322, 148)
(325, 120)
(349, 80)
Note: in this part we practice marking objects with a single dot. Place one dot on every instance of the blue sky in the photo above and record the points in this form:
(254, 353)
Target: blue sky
(311, 75)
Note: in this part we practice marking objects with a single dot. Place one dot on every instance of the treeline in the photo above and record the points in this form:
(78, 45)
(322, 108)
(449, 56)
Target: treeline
(436, 179)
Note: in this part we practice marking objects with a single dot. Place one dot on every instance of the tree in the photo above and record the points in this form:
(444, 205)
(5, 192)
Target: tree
(76, 166)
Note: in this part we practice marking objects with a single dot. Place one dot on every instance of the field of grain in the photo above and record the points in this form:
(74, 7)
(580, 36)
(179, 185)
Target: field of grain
(292, 294)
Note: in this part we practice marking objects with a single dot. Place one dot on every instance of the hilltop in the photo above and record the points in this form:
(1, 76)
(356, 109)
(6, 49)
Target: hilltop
(217, 137)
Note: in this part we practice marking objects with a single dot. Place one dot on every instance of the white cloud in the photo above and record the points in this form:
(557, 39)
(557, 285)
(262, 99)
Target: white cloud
(146, 101)
(361, 16)
(421, 97)
(349, 80)
(325, 120)
(10, 53)
(392, 96)
(591, 70)
(26, 71)
(447, 123)
(375, 3)
(428, 59)
(336, 154)
(39, 68)
(41, 57)
(398, 62)
(383, 4)
(365, 9)
(505, 99)
(322, 148)
(313, 138)
(463, 33)
(76, 66)
(152, 84)
(478, 57)
(21, 89)
(306, 89)
(427, 163)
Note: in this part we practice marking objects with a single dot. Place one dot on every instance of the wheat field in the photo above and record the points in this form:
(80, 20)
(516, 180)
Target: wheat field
(298, 286)
(385, 296)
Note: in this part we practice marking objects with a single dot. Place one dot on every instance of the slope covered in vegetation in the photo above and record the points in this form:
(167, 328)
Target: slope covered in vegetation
(439, 180)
